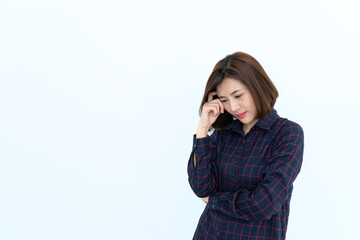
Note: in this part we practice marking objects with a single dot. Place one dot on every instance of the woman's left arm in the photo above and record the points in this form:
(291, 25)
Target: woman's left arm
(274, 189)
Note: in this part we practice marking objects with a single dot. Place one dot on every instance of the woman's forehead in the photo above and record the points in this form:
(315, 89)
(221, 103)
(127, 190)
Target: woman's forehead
(229, 85)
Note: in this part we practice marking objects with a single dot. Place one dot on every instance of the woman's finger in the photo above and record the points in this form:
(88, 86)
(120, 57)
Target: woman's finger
(209, 107)
(215, 109)
(221, 106)
(211, 96)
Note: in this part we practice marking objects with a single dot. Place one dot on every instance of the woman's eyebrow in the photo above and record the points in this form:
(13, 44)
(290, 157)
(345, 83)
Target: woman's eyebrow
(231, 93)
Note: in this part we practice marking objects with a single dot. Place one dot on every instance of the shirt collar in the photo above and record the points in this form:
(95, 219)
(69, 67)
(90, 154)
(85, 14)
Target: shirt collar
(264, 123)
(268, 121)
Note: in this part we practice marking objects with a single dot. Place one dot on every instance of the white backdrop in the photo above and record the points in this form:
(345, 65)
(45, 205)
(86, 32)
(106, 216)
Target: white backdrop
(99, 101)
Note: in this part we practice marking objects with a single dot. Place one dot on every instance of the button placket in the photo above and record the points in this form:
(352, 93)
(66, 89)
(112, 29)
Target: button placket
(242, 148)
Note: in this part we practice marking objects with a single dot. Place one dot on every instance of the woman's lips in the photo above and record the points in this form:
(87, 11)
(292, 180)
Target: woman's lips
(242, 115)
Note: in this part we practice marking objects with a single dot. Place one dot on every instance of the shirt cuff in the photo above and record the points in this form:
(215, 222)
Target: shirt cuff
(200, 141)
(214, 201)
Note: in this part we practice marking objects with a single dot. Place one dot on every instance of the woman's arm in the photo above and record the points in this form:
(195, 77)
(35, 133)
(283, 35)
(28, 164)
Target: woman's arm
(201, 165)
(275, 188)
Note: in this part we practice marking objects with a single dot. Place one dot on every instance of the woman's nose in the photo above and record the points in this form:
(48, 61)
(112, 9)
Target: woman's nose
(234, 106)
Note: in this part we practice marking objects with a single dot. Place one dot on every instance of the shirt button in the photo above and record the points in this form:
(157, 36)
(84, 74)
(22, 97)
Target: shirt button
(244, 142)
(235, 161)
(213, 206)
(218, 233)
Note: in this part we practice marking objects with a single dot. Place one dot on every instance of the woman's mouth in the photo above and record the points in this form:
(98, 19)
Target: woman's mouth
(242, 115)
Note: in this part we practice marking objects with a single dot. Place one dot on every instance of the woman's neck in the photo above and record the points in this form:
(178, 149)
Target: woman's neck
(247, 127)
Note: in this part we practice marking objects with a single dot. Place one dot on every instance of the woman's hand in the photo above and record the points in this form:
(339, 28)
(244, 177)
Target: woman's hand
(205, 199)
(210, 112)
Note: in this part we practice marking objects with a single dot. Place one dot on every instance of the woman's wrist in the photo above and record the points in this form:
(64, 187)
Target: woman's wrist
(201, 133)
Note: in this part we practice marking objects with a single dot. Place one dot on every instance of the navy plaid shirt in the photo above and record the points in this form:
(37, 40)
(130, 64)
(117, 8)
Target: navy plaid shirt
(249, 179)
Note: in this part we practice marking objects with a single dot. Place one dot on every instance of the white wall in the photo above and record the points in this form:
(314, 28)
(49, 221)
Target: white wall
(99, 101)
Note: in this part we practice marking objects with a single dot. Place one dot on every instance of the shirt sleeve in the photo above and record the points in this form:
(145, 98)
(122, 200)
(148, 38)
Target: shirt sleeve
(202, 176)
(276, 186)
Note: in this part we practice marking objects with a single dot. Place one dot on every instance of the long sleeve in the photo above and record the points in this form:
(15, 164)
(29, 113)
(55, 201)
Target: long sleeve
(276, 185)
(202, 175)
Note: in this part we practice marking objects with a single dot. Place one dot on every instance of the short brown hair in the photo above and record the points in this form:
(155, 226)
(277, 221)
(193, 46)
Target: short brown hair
(247, 69)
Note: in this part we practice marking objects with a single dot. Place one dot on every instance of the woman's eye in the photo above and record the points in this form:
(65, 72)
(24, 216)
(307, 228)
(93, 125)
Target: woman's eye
(223, 101)
(238, 96)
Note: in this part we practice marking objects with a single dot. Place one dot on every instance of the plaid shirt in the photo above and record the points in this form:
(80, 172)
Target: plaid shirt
(249, 179)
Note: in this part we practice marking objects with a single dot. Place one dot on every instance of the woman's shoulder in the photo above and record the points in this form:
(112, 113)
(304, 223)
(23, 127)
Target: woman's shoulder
(284, 126)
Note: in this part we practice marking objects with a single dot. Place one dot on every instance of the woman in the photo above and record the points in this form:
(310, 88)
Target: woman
(245, 170)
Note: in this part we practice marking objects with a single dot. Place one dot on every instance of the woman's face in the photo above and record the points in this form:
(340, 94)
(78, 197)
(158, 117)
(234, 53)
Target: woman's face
(237, 100)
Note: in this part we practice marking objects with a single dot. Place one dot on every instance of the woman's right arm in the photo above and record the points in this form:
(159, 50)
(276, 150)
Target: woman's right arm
(201, 165)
